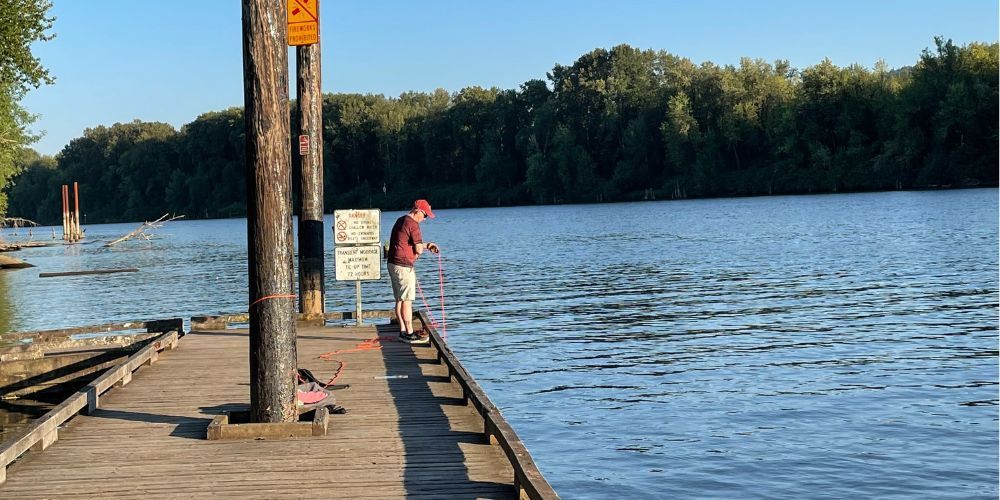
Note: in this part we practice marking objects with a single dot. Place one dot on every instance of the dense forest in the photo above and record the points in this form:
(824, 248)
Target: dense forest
(619, 124)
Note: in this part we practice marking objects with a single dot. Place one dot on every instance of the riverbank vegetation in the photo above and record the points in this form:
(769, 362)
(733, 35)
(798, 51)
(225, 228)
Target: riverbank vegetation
(23, 22)
(619, 124)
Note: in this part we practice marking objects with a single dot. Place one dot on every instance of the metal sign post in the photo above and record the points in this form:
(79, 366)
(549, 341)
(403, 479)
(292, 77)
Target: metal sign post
(357, 310)
(357, 251)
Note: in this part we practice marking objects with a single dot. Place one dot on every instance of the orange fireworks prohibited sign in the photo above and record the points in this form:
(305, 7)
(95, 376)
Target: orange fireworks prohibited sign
(303, 22)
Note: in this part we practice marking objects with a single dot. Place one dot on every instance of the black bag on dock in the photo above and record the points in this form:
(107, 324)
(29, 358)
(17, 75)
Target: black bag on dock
(306, 376)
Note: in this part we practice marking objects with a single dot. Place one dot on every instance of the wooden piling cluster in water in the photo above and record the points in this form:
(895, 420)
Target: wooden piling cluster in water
(417, 425)
(71, 217)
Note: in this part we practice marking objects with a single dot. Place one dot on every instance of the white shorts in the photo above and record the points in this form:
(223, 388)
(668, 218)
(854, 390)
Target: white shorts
(404, 282)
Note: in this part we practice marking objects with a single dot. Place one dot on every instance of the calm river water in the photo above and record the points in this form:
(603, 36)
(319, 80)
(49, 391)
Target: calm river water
(838, 346)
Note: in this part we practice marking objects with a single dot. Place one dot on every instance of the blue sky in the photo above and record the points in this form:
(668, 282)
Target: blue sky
(170, 61)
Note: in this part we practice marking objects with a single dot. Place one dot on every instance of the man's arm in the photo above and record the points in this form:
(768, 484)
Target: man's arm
(418, 242)
(420, 247)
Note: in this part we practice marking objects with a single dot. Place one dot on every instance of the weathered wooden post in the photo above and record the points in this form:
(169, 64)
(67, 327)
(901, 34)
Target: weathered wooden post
(72, 220)
(269, 222)
(70, 230)
(65, 202)
(303, 24)
(77, 233)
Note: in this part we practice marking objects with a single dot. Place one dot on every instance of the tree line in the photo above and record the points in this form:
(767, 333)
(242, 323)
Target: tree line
(619, 124)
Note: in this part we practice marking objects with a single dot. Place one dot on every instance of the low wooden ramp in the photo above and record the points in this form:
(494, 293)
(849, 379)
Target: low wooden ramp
(402, 437)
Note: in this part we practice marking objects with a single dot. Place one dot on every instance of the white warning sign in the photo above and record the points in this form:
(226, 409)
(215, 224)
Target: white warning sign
(363, 262)
(356, 227)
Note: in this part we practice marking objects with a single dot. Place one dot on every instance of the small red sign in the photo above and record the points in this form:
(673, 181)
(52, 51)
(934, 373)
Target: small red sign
(303, 145)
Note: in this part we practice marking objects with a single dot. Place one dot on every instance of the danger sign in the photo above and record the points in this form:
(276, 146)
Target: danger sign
(356, 226)
(303, 145)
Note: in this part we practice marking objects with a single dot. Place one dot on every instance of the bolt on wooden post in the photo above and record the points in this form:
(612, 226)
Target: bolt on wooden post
(269, 226)
(303, 33)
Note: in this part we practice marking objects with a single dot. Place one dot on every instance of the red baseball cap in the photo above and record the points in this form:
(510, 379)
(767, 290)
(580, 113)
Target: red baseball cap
(424, 207)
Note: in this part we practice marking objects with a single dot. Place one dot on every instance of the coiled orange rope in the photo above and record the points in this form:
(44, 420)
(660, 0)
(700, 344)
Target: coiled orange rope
(365, 345)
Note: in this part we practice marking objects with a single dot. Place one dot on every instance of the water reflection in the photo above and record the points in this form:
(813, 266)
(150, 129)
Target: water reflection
(6, 309)
(15, 414)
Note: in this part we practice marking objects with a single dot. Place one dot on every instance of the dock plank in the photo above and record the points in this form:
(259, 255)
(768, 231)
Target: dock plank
(402, 437)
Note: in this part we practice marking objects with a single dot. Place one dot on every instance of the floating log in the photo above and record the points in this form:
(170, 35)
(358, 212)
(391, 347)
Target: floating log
(93, 271)
(20, 245)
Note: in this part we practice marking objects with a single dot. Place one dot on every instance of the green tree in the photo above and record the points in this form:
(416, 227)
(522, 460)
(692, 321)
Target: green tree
(948, 129)
(22, 22)
(35, 193)
(210, 161)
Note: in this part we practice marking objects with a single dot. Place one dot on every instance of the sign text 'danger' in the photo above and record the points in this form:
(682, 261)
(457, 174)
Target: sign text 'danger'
(356, 226)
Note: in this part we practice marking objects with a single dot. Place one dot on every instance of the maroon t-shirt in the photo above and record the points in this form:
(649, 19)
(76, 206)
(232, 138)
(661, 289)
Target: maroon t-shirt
(403, 241)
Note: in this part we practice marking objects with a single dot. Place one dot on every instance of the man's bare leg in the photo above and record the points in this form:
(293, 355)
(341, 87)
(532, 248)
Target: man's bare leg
(406, 315)
(399, 315)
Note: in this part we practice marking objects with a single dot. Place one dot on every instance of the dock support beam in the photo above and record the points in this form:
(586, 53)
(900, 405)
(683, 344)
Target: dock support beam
(46, 440)
(269, 219)
(310, 114)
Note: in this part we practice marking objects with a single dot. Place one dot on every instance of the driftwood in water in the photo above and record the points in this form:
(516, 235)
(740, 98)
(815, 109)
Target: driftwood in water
(93, 271)
(12, 263)
(16, 222)
(141, 231)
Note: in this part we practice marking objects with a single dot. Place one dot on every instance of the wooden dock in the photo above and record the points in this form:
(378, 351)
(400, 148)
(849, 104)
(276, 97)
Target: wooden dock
(428, 431)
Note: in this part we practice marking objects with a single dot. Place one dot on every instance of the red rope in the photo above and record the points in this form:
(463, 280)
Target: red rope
(268, 297)
(444, 323)
(366, 345)
(430, 314)
(376, 343)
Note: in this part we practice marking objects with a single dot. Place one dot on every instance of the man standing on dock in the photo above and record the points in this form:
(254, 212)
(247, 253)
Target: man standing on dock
(405, 246)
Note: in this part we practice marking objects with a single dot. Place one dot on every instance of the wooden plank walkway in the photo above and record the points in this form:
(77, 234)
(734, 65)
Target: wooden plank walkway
(402, 437)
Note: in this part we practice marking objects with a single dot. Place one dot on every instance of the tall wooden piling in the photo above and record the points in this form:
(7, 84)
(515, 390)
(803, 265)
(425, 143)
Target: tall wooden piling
(269, 227)
(77, 233)
(65, 211)
(310, 116)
